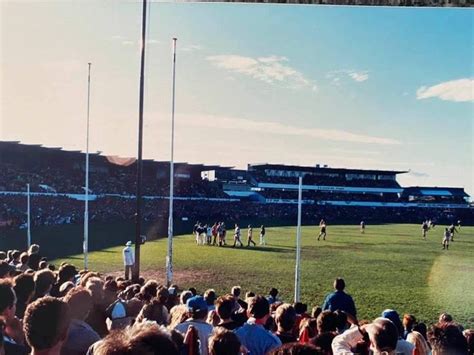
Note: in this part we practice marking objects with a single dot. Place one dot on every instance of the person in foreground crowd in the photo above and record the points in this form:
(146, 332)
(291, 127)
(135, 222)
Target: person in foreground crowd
(381, 335)
(403, 347)
(197, 313)
(339, 300)
(224, 342)
(253, 335)
(46, 325)
(447, 339)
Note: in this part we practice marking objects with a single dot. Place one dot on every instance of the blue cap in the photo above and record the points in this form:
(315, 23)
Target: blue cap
(196, 303)
(393, 316)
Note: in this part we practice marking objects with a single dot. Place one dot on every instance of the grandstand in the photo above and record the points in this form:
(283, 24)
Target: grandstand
(209, 192)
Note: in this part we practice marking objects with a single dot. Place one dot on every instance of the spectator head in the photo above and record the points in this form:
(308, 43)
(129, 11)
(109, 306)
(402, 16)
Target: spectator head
(185, 295)
(419, 341)
(149, 290)
(193, 291)
(469, 335)
(339, 284)
(409, 321)
(422, 329)
(24, 286)
(316, 311)
(16, 256)
(46, 324)
(178, 315)
(447, 339)
(3, 255)
(66, 273)
(6, 270)
(295, 349)
(308, 326)
(96, 286)
(225, 306)
(24, 258)
(7, 300)
(273, 292)
(395, 318)
(141, 338)
(44, 281)
(285, 318)
(323, 342)
(43, 264)
(236, 291)
(197, 307)
(300, 308)
(326, 322)
(65, 288)
(258, 308)
(210, 297)
(224, 342)
(154, 311)
(445, 318)
(341, 321)
(383, 335)
(79, 301)
(162, 295)
(34, 249)
(134, 306)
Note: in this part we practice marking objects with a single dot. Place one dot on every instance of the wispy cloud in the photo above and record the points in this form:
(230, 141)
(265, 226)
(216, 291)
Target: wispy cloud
(272, 69)
(356, 75)
(418, 174)
(461, 90)
(269, 127)
(191, 48)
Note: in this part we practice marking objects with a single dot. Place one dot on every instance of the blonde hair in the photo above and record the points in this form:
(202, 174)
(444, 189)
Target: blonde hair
(421, 345)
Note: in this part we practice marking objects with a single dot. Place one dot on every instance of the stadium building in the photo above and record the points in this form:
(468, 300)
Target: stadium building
(264, 191)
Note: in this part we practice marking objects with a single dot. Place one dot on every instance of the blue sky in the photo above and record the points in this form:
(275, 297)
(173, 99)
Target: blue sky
(362, 87)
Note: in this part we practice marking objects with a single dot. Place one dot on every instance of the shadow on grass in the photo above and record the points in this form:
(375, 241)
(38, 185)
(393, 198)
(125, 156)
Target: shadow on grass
(274, 249)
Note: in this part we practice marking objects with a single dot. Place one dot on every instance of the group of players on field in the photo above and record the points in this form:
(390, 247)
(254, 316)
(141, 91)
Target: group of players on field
(448, 235)
(216, 234)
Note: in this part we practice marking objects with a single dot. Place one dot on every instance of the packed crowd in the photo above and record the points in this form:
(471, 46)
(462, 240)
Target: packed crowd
(47, 179)
(325, 181)
(66, 311)
(49, 210)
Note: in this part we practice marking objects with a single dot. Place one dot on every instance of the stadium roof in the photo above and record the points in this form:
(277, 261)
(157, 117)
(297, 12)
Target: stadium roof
(324, 169)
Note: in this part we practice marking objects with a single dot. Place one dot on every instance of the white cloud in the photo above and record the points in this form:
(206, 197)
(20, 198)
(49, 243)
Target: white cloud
(359, 76)
(461, 90)
(276, 128)
(190, 48)
(272, 69)
(337, 75)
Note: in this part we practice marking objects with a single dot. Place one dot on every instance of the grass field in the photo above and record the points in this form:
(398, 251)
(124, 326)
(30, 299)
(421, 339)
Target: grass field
(389, 266)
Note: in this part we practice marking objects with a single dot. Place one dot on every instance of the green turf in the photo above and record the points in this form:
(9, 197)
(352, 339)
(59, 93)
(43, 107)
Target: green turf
(389, 266)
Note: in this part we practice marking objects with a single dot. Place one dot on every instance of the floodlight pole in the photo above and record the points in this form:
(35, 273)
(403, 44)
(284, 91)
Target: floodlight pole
(28, 223)
(169, 256)
(86, 206)
(138, 216)
(298, 244)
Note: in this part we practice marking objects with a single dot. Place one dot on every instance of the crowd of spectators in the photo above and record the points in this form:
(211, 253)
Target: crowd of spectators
(44, 310)
(54, 210)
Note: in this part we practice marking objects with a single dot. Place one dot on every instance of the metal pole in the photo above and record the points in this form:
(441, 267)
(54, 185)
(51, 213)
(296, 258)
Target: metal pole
(169, 256)
(86, 207)
(28, 223)
(298, 244)
(136, 269)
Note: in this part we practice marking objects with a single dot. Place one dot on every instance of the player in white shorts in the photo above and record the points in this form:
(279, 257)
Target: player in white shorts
(447, 237)
(237, 236)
